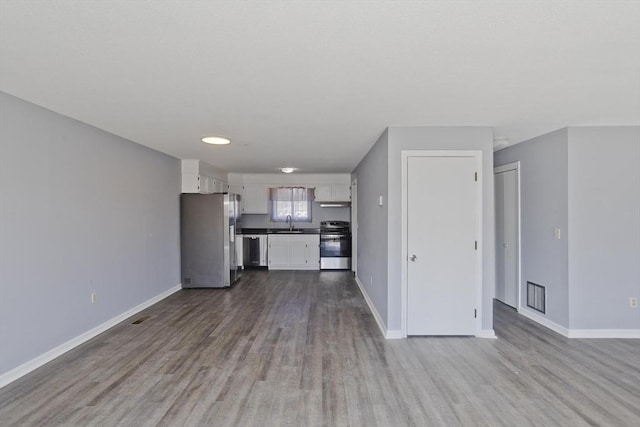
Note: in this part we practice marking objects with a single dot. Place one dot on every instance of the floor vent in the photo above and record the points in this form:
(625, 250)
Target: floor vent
(536, 297)
(140, 320)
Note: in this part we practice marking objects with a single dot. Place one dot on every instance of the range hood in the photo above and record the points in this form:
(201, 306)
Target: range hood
(335, 204)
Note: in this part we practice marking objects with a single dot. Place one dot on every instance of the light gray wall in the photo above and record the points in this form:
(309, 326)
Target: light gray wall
(81, 211)
(544, 206)
(439, 138)
(372, 173)
(604, 227)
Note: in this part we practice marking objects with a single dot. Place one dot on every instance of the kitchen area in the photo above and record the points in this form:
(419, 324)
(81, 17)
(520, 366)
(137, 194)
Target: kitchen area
(324, 248)
(271, 222)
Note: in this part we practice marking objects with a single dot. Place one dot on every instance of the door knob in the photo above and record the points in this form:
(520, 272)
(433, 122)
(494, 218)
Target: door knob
(413, 258)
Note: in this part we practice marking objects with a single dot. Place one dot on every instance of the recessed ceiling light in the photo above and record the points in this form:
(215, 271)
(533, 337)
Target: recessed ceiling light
(287, 170)
(217, 140)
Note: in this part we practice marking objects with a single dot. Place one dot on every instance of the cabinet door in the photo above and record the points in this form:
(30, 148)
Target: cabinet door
(190, 183)
(219, 186)
(341, 193)
(255, 199)
(206, 184)
(297, 253)
(304, 252)
(278, 252)
(323, 193)
(313, 252)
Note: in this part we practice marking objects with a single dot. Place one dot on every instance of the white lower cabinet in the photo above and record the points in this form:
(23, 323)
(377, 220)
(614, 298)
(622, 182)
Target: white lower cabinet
(278, 251)
(294, 251)
(239, 250)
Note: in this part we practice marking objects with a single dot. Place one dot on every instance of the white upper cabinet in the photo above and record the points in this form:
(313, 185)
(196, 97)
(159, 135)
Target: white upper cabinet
(323, 193)
(254, 188)
(255, 199)
(196, 183)
(333, 193)
(200, 177)
(341, 192)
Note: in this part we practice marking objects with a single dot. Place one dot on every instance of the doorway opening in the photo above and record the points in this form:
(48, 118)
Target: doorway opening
(507, 197)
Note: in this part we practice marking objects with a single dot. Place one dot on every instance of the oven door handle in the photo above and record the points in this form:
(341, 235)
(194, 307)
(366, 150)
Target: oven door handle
(334, 236)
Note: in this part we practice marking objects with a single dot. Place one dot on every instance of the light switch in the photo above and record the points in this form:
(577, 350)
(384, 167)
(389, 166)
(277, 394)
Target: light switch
(380, 200)
(556, 233)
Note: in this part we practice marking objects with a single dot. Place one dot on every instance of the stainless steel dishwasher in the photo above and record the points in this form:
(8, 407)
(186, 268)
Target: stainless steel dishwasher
(255, 250)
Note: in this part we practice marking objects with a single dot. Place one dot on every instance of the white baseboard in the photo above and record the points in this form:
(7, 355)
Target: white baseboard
(530, 314)
(486, 333)
(604, 333)
(579, 333)
(387, 334)
(25, 368)
(393, 334)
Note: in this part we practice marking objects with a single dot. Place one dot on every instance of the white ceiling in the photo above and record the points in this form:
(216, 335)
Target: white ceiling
(313, 84)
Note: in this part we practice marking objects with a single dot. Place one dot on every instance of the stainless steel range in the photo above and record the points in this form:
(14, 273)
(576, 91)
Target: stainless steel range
(335, 245)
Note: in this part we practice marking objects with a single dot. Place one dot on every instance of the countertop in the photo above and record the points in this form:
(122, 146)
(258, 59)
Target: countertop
(280, 231)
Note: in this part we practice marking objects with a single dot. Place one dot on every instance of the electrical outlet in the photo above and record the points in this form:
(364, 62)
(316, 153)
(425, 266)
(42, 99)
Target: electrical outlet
(633, 302)
(94, 297)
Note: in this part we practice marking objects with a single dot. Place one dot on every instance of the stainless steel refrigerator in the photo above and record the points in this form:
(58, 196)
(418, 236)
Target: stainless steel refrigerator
(208, 227)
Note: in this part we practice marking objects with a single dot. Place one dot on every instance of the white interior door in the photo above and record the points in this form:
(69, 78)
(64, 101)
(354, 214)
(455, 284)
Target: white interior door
(442, 230)
(507, 235)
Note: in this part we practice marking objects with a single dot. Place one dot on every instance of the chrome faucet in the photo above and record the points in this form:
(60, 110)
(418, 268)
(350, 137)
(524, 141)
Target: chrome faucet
(290, 221)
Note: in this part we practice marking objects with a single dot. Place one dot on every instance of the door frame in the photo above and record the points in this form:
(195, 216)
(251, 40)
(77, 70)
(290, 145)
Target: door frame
(405, 155)
(354, 226)
(504, 168)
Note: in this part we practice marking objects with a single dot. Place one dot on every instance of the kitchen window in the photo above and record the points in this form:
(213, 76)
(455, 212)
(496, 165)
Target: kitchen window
(291, 201)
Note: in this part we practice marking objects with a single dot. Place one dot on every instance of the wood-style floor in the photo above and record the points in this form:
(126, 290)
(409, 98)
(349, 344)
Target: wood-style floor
(285, 348)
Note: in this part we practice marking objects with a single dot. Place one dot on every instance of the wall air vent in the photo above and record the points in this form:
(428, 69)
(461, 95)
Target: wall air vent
(536, 297)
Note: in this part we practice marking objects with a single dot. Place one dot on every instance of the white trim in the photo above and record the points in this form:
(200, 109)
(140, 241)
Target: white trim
(530, 314)
(354, 226)
(404, 155)
(580, 333)
(31, 365)
(514, 166)
(394, 334)
(604, 333)
(387, 334)
(486, 333)
(499, 169)
(403, 243)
